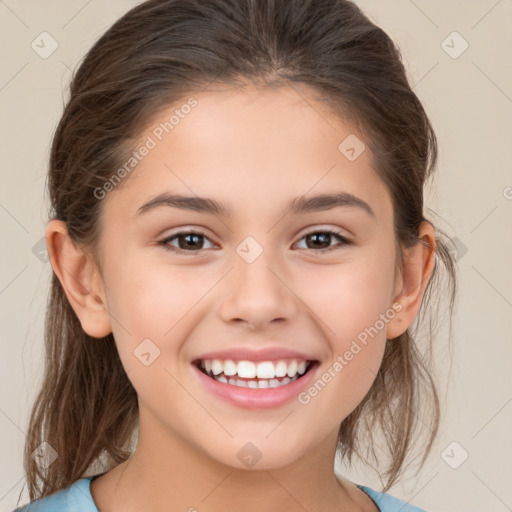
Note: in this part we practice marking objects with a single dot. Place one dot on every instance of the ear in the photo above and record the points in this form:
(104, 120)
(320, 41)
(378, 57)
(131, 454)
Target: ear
(419, 263)
(80, 278)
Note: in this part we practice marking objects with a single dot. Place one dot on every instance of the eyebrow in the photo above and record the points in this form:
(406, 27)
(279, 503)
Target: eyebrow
(298, 205)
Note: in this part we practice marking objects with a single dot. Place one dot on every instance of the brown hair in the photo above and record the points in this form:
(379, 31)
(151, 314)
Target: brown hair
(155, 55)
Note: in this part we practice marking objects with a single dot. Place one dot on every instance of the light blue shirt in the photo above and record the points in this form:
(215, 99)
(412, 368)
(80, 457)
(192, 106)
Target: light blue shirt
(77, 498)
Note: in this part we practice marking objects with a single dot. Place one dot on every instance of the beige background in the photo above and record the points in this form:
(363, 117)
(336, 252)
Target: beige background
(469, 99)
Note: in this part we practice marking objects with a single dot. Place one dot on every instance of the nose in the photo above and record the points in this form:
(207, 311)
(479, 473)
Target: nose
(258, 294)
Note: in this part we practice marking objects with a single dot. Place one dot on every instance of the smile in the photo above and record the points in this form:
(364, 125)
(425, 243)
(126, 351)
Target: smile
(256, 375)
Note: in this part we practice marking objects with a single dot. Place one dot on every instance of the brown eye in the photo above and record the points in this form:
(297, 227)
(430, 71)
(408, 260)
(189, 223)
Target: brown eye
(188, 241)
(322, 240)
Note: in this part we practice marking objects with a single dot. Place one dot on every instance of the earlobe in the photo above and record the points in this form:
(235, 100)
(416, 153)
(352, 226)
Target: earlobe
(419, 263)
(80, 279)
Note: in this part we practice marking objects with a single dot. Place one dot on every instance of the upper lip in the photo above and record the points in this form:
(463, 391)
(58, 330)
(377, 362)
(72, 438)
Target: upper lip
(248, 354)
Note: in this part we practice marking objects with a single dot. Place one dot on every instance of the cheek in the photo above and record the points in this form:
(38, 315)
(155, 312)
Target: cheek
(150, 300)
(356, 338)
(148, 309)
(351, 305)
(348, 298)
(147, 304)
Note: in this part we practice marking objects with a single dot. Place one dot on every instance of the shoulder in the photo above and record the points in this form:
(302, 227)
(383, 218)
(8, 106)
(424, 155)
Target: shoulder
(74, 498)
(388, 503)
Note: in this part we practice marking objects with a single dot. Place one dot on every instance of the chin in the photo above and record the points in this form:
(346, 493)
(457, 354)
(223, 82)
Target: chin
(256, 454)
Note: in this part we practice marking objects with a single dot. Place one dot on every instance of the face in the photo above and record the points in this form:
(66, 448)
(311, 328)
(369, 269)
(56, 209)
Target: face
(253, 280)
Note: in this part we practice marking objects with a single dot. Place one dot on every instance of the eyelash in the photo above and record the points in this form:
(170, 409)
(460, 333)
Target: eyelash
(345, 241)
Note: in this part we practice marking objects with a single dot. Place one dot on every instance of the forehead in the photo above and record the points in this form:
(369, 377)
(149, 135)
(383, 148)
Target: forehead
(254, 147)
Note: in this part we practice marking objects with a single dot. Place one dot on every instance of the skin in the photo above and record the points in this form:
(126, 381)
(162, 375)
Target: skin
(253, 150)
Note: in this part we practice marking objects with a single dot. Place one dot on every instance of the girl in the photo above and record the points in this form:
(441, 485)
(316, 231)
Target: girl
(239, 253)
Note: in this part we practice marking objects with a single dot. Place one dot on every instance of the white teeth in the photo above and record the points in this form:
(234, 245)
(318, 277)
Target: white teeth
(250, 370)
(274, 383)
(269, 374)
(246, 369)
(254, 384)
(217, 367)
(265, 370)
(292, 368)
(230, 367)
(281, 369)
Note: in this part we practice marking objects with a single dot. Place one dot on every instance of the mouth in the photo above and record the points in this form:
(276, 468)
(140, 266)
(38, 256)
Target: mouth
(255, 375)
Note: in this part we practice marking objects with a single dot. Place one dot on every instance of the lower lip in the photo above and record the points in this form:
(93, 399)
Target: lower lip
(256, 398)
